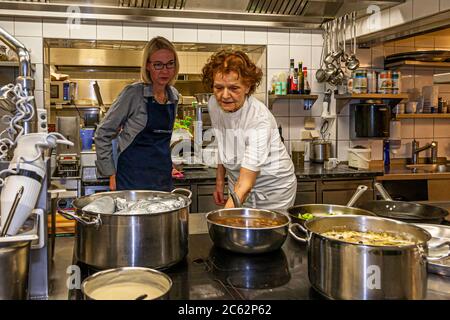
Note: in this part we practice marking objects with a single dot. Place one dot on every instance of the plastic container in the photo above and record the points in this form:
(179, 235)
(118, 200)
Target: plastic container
(87, 138)
(359, 158)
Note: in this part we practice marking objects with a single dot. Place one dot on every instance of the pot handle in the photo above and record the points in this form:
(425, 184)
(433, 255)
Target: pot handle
(39, 229)
(359, 191)
(97, 222)
(296, 237)
(383, 192)
(187, 192)
(446, 243)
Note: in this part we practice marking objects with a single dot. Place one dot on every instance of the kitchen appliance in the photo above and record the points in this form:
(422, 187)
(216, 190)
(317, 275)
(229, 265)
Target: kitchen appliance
(128, 283)
(91, 182)
(63, 92)
(404, 211)
(157, 240)
(320, 150)
(369, 120)
(249, 240)
(68, 156)
(350, 271)
(359, 157)
(27, 170)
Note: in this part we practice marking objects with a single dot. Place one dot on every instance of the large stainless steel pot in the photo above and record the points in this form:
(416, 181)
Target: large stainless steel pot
(321, 151)
(342, 270)
(130, 283)
(15, 259)
(248, 239)
(157, 240)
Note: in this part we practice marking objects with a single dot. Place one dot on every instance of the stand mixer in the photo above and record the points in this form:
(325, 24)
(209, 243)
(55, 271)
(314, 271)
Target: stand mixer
(25, 181)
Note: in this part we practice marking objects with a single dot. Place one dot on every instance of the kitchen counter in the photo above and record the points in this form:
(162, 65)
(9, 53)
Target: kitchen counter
(308, 171)
(214, 274)
(316, 171)
(402, 173)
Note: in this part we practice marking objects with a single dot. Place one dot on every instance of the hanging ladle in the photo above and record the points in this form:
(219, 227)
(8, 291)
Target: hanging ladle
(353, 62)
(321, 75)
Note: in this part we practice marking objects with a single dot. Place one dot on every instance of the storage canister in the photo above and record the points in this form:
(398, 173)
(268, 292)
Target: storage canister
(360, 81)
(396, 82)
(385, 82)
(372, 81)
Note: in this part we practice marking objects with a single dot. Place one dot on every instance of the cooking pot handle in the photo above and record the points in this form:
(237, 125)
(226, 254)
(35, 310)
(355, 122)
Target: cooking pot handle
(97, 222)
(383, 192)
(446, 243)
(296, 237)
(183, 191)
(359, 191)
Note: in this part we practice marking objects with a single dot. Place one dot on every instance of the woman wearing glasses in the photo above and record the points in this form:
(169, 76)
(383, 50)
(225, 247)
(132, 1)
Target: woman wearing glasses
(142, 118)
(250, 149)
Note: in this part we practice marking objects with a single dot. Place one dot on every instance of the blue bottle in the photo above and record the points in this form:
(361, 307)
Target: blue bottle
(386, 153)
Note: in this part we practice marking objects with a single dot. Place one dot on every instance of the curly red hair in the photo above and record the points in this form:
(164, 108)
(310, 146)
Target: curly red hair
(226, 61)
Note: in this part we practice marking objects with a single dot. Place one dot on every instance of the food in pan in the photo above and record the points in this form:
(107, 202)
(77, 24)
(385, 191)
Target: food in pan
(369, 238)
(308, 216)
(108, 205)
(248, 222)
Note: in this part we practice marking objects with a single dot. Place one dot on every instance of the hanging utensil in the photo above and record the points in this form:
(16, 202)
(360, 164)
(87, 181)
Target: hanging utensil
(321, 76)
(353, 62)
(11, 213)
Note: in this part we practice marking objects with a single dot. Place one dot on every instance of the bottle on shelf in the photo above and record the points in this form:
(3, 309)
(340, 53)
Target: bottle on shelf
(301, 79)
(307, 89)
(294, 82)
(290, 79)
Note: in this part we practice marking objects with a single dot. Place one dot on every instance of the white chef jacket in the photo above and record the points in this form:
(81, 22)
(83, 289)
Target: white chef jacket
(249, 138)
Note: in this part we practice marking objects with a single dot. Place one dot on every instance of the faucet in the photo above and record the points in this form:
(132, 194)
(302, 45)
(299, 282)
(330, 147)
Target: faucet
(416, 149)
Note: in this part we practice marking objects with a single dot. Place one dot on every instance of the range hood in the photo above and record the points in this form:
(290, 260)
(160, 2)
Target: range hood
(442, 78)
(307, 14)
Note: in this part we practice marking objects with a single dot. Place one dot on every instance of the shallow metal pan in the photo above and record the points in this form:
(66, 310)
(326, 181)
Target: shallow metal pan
(403, 211)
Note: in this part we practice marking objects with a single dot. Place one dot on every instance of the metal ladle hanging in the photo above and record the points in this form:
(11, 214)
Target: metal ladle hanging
(353, 62)
(321, 75)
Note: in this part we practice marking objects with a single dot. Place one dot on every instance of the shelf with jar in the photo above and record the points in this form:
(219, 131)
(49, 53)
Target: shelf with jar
(390, 99)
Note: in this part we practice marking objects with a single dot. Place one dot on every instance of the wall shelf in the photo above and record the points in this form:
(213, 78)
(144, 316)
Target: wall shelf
(413, 63)
(423, 116)
(308, 97)
(391, 99)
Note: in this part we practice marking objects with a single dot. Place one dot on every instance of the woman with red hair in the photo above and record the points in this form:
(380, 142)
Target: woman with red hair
(251, 152)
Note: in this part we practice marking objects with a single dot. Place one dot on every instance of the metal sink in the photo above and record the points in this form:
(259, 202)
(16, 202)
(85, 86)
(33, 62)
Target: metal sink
(417, 168)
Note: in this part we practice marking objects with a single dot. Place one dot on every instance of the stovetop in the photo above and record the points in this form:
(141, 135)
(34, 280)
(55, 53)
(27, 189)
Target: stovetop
(211, 273)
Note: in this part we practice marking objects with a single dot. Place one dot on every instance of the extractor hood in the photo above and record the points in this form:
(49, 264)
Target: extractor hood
(442, 78)
(308, 14)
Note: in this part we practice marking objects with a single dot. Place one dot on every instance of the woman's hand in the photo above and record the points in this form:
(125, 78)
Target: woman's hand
(219, 198)
(112, 182)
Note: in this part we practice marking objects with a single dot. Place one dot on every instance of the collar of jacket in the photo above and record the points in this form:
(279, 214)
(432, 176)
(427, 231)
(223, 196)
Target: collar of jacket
(172, 94)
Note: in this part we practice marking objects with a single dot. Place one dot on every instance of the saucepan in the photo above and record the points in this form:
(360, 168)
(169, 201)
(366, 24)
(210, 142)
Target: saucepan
(304, 212)
(248, 230)
(402, 210)
(340, 267)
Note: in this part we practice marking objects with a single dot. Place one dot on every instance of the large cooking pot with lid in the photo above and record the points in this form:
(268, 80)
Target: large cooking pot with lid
(341, 269)
(155, 240)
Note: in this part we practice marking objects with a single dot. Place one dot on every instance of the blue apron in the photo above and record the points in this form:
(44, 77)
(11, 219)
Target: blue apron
(146, 163)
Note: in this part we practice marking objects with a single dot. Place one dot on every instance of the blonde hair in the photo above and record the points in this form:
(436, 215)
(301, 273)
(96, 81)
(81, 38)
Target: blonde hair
(152, 46)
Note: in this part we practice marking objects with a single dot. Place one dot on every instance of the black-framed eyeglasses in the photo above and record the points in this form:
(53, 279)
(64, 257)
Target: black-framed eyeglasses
(159, 65)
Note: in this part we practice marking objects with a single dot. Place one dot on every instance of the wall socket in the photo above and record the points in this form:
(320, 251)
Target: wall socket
(42, 121)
